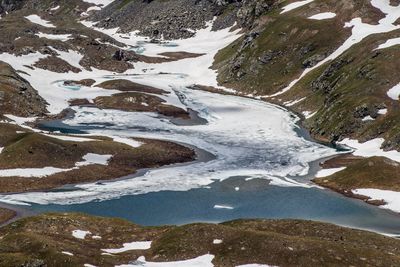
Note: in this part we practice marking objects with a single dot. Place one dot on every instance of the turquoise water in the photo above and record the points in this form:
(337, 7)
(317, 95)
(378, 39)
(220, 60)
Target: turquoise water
(255, 199)
(248, 198)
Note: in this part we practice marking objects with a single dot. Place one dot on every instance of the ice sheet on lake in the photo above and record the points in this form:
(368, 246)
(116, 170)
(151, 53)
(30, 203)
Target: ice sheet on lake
(249, 137)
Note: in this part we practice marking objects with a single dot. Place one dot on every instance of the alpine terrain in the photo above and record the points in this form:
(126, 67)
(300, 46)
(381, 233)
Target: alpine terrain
(199, 133)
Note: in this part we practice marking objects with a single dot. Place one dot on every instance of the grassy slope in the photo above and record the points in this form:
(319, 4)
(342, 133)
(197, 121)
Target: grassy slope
(290, 40)
(374, 172)
(356, 83)
(341, 92)
(276, 242)
(33, 150)
(356, 87)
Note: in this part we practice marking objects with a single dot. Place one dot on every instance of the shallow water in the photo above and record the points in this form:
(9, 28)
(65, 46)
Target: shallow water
(255, 199)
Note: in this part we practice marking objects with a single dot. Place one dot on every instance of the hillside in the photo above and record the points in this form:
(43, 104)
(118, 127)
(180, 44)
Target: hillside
(58, 239)
(195, 113)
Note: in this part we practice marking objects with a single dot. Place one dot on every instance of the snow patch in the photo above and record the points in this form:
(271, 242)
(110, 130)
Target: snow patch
(137, 245)
(382, 111)
(102, 3)
(360, 31)
(328, 172)
(88, 159)
(394, 92)
(60, 37)
(202, 261)
(371, 148)
(38, 20)
(391, 198)
(368, 118)
(295, 5)
(309, 114)
(323, 16)
(80, 234)
(390, 43)
(71, 138)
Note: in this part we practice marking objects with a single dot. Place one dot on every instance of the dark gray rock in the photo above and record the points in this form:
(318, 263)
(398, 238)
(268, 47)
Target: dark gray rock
(10, 5)
(313, 60)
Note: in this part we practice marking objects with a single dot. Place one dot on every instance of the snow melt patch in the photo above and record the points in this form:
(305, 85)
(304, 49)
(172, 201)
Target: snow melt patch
(256, 265)
(368, 118)
(127, 141)
(137, 245)
(38, 20)
(295, 5)
(49, 84)
(31, 172)
(382, 111)
(394, 92)
(102, 3)
(202, 261)
(80, 234)
(88, 159)
(92, 158)
(391, 198)
(390, 43)
(217, 241)
(371, 148)
(59, 37)
(71, 138)
(328, 172)
(323, 16)
(308, 114)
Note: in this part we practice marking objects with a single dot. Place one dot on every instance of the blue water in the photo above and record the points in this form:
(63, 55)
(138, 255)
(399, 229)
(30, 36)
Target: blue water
(255, 199)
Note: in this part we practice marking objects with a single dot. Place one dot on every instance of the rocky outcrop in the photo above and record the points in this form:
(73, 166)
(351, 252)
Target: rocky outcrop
(10, 5)
(17, 96)
(170, 19)
(174, 19)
